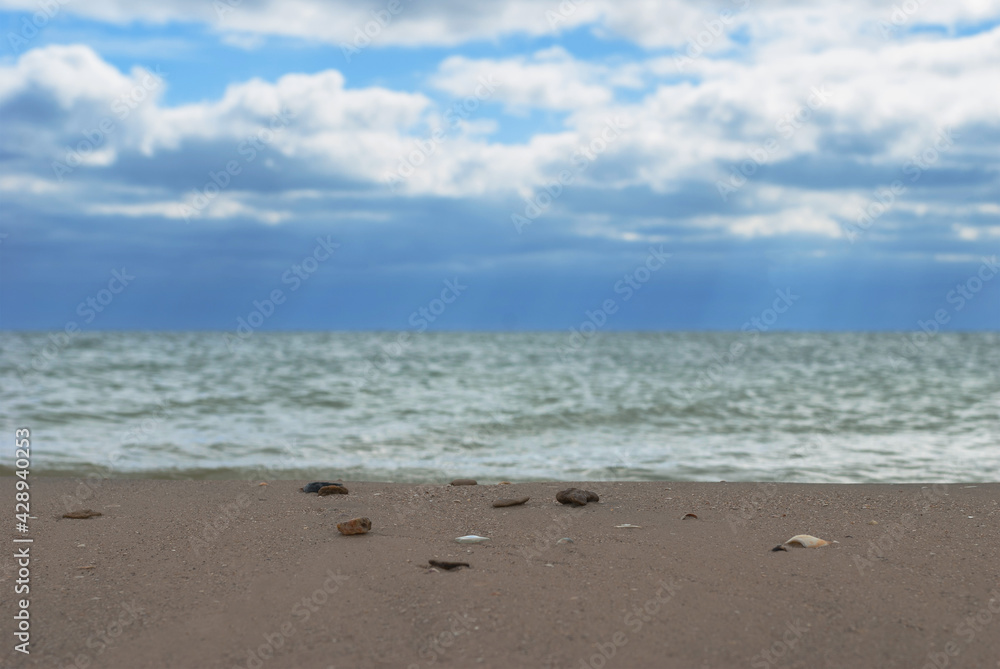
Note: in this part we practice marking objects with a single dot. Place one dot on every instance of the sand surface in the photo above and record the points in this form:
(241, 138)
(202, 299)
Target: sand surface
(233, 574)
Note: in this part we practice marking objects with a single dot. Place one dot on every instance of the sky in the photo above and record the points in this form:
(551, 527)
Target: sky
(509, 165)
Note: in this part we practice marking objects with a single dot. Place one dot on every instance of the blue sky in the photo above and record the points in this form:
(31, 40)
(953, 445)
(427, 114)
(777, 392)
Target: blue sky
(538, 153)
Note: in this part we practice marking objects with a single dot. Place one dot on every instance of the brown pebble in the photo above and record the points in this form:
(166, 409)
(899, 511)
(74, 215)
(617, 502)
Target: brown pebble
(86, 513)
(448, 565)
(355, 526)
(510, 502)
(464, 482)
(504, 483)
(331, 490)
(576, 496)
(689, 515)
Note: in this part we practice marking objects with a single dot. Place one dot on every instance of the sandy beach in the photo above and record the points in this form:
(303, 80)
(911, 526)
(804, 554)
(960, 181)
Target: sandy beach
(237, 574)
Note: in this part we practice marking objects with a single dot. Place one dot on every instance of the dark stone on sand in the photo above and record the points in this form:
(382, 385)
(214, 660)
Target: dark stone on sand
(335, 489)
(355, 526)
(464, 482)
(506, 501)
(448, 565)
(316, 485)
(576, 496)
(86, 513)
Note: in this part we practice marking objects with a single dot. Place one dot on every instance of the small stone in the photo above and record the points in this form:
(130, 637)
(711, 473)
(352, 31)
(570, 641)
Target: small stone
(510, 502)
(504, 483)
(335, 489)
(86, 513)
(692, 516)
(875, 522)
(316, 485)
(464, 482)
(355, 526)
(576, 496)
(448, 565)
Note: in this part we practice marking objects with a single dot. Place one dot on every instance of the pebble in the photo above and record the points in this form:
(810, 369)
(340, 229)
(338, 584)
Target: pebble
(86, 513)
(316, 485)
(355, 526)
(510, 502)
(464, 482)
(448, 565)
(576, 496)
(689, 515)
(335, 489)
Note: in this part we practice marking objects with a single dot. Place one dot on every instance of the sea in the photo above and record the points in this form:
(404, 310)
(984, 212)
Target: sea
(428, 407)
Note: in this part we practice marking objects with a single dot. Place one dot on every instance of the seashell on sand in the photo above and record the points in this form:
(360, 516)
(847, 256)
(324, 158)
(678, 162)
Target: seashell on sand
(807, 541)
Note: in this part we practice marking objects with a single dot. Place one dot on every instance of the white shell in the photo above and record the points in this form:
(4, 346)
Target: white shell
(807, 540)
(472, 539)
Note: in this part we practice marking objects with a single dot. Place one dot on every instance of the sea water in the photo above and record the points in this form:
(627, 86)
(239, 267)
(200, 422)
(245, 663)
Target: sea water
(425, 407)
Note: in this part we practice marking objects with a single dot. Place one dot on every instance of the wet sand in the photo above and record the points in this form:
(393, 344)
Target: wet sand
(234, 574)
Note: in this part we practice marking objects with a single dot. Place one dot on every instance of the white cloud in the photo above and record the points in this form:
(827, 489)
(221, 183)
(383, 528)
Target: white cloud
(71, 74)
(550, 79)
(649, 23)
(887, 98)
